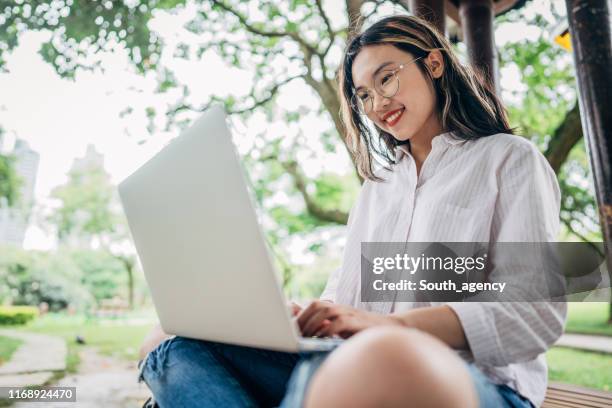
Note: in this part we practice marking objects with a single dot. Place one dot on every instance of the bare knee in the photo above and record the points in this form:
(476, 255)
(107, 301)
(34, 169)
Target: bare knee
(395, 367)
(153, 339)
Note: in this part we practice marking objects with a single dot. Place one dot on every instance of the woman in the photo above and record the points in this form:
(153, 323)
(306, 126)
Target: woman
(452, 171)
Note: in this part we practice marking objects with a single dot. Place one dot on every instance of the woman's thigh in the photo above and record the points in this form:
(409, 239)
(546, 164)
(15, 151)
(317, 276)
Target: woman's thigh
(186, 372)
(488, 394)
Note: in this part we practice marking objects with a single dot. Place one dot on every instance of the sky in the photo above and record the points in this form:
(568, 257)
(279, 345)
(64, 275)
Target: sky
(59, 118)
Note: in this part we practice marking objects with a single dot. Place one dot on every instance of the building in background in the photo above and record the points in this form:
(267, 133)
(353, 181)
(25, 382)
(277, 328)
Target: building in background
(14, 220)
(92, 160)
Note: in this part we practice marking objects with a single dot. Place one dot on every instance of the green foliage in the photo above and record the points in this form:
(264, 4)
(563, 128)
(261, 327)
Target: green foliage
(8, 346)
(540, 108)
(76, 277)
(86, 206)
(81, 28)
(545, 70)
(9, 180)
(102, 274)
(17, 315)
(588, 318)
(334, 191)
(31, 277)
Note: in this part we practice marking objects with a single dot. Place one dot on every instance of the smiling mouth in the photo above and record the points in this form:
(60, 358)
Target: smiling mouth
(392, 119)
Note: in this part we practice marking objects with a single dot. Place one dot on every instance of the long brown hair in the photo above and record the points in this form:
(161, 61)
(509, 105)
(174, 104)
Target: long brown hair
(466, 104)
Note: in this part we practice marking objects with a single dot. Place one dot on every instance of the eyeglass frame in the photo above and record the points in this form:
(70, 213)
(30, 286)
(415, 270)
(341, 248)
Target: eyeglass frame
(395, 72)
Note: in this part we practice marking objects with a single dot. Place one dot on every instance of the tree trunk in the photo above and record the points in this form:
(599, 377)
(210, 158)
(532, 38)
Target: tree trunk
(128, 263)
(564, 139)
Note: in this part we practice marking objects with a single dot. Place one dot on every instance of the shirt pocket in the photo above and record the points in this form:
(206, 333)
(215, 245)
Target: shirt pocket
(465, 221)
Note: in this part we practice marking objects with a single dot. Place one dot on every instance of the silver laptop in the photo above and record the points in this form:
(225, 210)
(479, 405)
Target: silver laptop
(204, 255)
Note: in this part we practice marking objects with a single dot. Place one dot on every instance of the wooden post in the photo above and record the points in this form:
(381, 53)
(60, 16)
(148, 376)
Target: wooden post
(589, 22)
(430, 10)
(477, 23)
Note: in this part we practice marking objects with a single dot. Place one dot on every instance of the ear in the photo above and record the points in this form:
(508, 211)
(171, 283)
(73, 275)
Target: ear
(435, 62)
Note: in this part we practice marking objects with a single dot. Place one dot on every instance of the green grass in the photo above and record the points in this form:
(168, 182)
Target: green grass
(580, 367)
(117, 337)
(122, 338)
(588, 318)
(8, 346)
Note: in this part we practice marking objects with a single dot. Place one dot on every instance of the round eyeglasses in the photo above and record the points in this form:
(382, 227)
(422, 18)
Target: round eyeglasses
(386, 84)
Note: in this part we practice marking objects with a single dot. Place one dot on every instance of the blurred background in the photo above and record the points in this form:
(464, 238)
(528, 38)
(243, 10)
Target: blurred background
(90, 90)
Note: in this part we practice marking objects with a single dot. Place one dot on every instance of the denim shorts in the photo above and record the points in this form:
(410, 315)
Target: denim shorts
(490, 395)
(299, 368)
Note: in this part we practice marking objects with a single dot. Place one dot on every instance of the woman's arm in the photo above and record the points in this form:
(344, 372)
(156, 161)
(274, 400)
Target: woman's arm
(323, 318)
(439, 321)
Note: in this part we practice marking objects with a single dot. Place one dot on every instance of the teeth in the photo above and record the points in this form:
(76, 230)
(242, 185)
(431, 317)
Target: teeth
(394, 116)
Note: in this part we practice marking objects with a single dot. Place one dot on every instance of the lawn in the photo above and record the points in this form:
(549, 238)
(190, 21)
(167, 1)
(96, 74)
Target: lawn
(589, 318)
(8, 346)
(122, 337)
(117, 337)
(580, 367)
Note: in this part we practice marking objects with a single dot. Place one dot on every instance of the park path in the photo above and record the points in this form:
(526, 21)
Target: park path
(101, 382)
(35, 361)
(600, 344)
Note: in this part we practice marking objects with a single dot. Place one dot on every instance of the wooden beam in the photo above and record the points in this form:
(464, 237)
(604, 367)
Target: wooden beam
(477, 21)
(430, 10)
(589, 22)
(499, 6)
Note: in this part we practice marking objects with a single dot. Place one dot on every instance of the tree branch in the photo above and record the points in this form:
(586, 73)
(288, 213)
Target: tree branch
(330, 31)
(355, 19)
(249, 27)
(568, 224)
(567, 134)
(258, 103)
(335, 216)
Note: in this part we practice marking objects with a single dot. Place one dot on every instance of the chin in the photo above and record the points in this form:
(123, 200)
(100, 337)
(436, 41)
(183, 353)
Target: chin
(402, 136)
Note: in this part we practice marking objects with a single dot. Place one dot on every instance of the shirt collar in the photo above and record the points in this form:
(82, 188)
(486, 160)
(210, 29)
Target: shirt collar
(448, 138)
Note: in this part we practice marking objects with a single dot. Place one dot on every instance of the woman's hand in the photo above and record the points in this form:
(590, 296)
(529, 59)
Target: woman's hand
(294, 308)
(322, 318)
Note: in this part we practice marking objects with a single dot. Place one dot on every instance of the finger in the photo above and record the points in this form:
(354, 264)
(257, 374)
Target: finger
(336, 326)
(315, 321)
(295, 309)
(322, 331)
(311, 309)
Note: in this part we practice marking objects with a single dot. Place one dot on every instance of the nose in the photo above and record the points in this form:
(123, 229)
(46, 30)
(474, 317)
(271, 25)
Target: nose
(379, 102)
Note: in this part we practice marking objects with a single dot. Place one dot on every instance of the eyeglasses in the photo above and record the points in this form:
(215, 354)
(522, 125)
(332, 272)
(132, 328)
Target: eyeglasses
(386, 84)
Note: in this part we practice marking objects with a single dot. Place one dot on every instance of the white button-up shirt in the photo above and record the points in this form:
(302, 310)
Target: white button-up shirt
(494, 189)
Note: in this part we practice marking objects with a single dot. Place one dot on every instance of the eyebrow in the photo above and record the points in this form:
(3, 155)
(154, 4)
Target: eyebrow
(380, 68)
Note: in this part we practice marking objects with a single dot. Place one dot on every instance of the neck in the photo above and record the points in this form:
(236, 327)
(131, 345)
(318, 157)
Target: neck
(420, 143)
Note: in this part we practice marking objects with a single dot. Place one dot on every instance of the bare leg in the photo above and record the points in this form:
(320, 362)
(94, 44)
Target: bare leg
(392, 367)
(153, 339)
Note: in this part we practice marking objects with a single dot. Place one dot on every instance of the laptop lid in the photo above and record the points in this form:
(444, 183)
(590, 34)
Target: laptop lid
(200, 245)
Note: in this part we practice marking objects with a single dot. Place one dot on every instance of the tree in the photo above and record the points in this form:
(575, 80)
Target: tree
(9, 179)
(283, 43)
(32, 277)
(89, 216)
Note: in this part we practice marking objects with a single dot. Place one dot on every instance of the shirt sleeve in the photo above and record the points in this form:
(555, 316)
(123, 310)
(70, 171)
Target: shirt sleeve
(527, 210)
(331, 288)
(329, 293)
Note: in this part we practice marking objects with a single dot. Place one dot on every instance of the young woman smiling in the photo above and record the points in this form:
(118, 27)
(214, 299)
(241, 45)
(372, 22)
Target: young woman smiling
(451, 171)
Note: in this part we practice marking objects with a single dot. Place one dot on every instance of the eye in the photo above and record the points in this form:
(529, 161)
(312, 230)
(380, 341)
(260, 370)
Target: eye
(386, 78)
(363, 96)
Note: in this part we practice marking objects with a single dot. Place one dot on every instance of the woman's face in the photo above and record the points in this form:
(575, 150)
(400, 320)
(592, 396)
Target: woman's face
(411, 110)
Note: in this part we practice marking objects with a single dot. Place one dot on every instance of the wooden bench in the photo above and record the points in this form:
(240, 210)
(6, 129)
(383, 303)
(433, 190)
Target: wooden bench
(560, 395)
